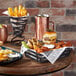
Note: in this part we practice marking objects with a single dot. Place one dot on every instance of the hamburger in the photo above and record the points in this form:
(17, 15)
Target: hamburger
(49, 37)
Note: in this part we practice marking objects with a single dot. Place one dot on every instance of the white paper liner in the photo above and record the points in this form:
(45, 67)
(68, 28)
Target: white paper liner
(6, 13)
(23, 49)
(55, 54)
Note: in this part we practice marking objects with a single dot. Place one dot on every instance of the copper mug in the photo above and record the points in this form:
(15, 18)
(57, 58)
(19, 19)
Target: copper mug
(3, 33)
(42, 24)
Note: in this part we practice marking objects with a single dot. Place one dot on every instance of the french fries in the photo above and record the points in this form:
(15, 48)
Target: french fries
(10, 11)
(20, 10)
(4, 54)
(39, 47)
(17, 11)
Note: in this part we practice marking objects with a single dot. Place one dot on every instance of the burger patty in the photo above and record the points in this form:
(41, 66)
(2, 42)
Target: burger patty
(47, 39)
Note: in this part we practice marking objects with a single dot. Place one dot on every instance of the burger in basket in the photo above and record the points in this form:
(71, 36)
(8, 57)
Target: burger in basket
(48, 43)
(43, 51)
(49, 37)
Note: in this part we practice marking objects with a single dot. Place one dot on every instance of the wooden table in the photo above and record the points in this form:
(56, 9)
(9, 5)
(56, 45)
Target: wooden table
(27, 66)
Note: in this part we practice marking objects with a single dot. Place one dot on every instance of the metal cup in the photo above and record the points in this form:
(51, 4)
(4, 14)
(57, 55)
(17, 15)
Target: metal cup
(42, 24)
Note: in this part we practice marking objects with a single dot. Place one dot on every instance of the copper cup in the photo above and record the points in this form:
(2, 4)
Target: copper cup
(3, 33)
(42, 24)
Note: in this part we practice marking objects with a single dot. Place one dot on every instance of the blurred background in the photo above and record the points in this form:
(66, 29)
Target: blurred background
(61, 12)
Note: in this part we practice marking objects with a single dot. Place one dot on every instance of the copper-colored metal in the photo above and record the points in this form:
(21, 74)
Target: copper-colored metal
(3, 33)
(42, 24)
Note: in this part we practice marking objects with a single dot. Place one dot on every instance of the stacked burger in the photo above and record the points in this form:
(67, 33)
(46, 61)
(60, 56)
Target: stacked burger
(49, 37)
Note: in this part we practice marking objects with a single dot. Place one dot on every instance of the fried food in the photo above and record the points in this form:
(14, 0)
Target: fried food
(33, 42)
(39, 50)
(68, 43)
(4, 54)
(17, 11)
(20, 10)
(23, 12)
(62, 44)
(42, 49)
(10, 11)
(36, 47)
(30, 44)
(45, 49)
(39, 47)
(40, 43)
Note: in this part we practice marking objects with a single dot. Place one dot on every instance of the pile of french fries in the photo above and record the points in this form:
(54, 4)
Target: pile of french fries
(17, 11)
(4, 54)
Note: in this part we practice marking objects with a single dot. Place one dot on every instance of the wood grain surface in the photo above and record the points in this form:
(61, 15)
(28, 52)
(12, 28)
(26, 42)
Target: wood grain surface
(27, 66)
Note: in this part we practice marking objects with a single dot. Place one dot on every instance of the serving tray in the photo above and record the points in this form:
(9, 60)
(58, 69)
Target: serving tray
(11, 60)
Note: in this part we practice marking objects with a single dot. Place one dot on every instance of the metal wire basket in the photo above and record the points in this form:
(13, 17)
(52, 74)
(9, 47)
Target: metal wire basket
(18, 24)
(40, 58)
